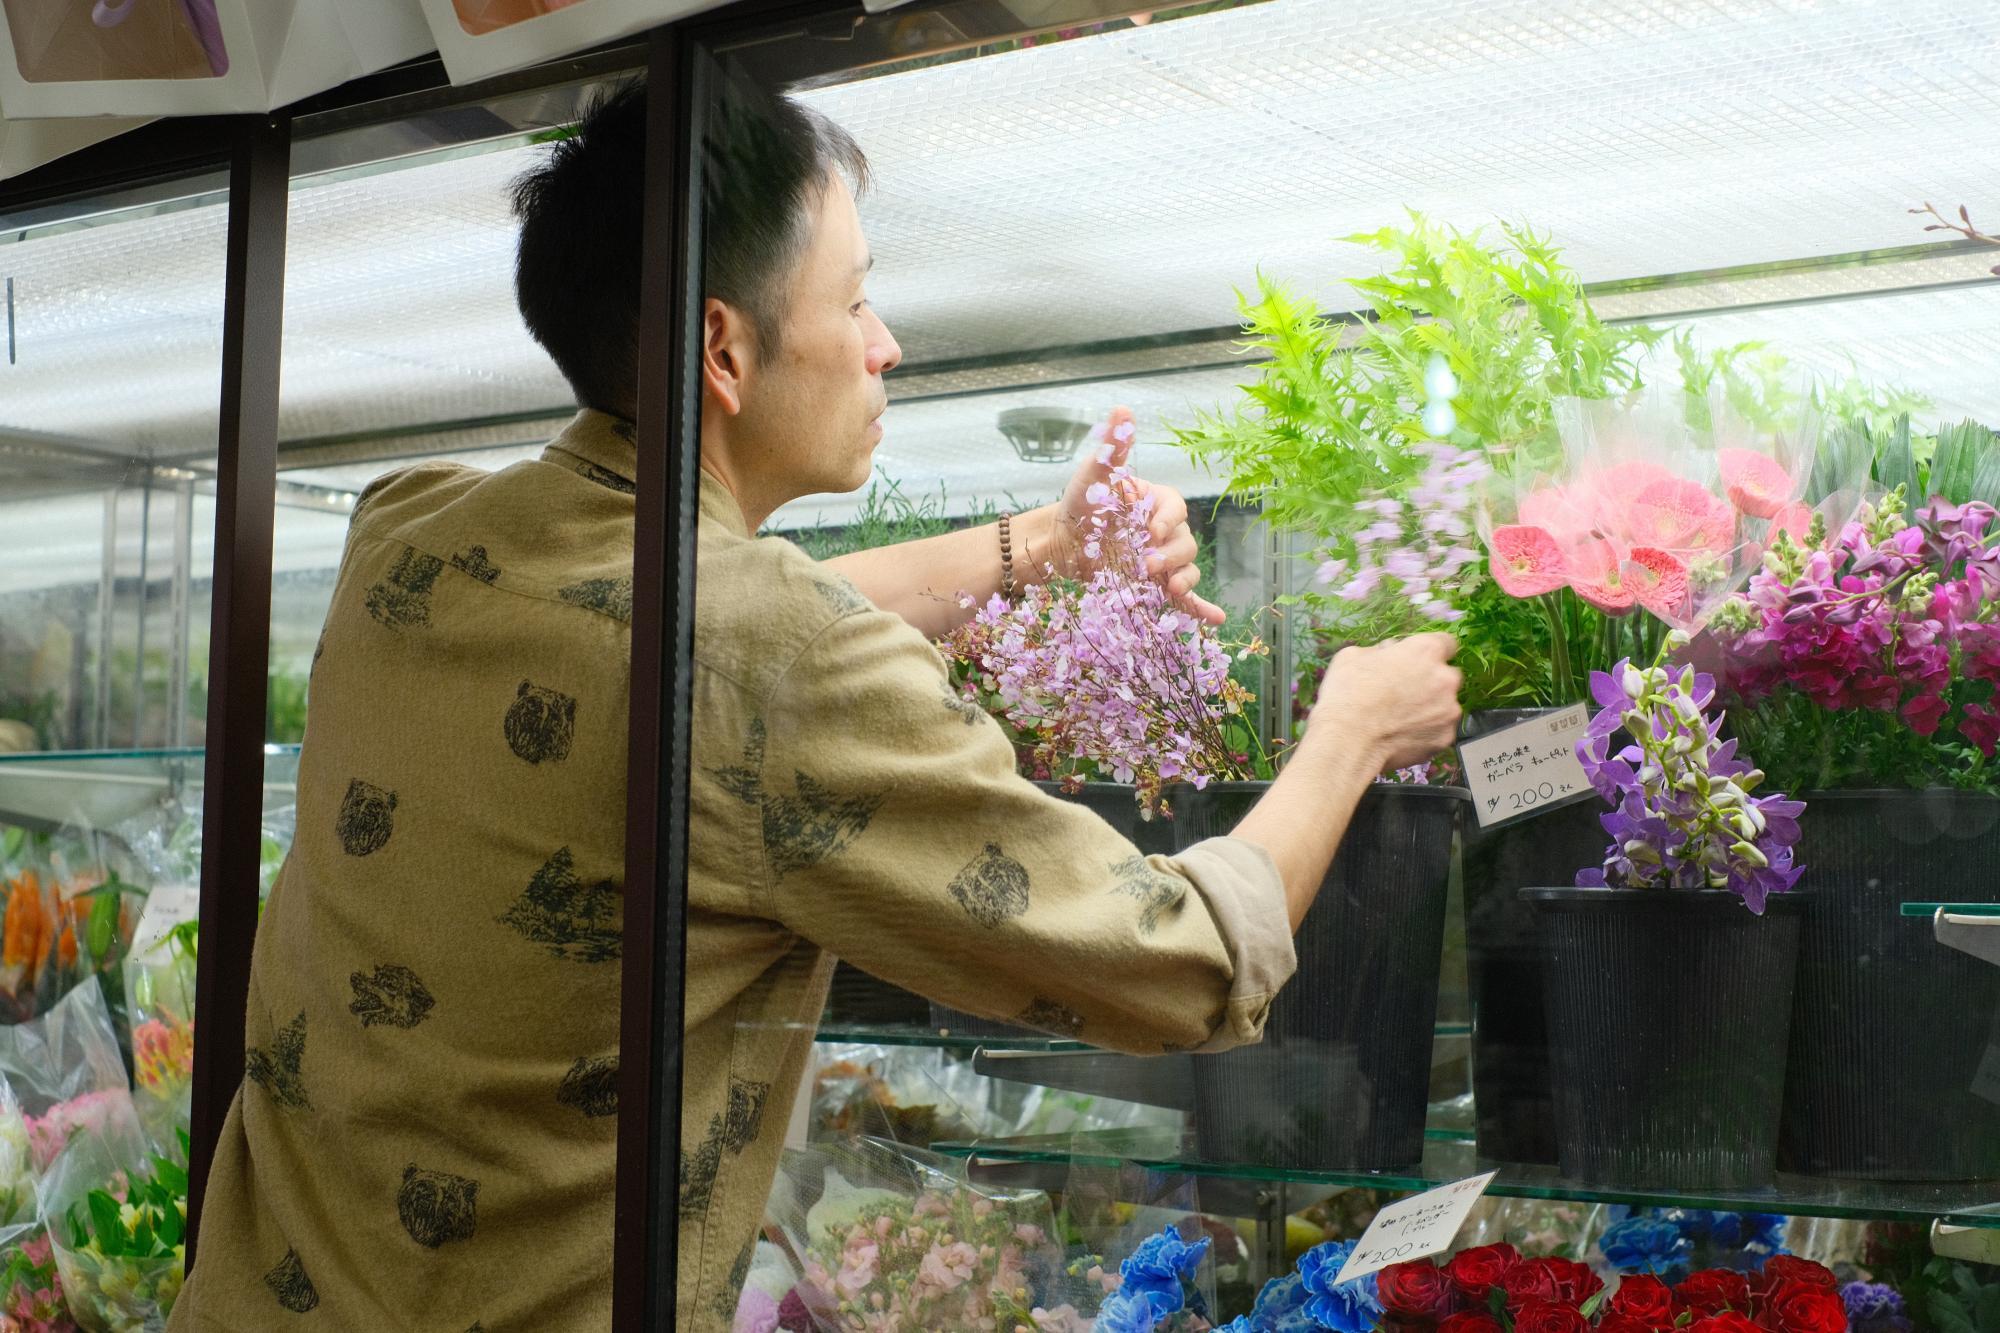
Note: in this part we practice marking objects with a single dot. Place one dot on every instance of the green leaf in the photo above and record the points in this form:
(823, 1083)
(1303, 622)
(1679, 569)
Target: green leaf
(1895, 466)
(1594, 1304)
(171, 1177)
(10, 843)
(105, 1222)
(1846, 459)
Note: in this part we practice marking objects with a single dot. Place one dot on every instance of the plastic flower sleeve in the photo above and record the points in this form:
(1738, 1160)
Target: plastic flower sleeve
(1649, 510)
(882, 1231)
(115, 1216)
(65, 1069)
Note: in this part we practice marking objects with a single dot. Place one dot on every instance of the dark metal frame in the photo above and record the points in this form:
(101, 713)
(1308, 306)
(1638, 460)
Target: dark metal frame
(653, 999)
(258, 152)
(240, 628)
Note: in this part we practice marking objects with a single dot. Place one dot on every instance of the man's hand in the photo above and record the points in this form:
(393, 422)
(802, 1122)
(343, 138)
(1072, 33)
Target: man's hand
(1172, 560)
(1399, 698)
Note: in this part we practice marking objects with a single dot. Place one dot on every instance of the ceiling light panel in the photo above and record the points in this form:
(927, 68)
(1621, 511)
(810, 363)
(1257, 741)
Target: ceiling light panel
(1122, 184)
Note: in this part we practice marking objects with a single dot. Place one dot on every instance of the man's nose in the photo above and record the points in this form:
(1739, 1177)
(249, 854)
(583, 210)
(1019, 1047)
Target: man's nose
(884, 354)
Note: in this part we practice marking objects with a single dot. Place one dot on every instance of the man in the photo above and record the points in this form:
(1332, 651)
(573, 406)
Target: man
(425, 1136)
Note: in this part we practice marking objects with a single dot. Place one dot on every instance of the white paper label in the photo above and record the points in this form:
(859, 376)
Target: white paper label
(1527, 767)
(167, 906)
(1414, 1228)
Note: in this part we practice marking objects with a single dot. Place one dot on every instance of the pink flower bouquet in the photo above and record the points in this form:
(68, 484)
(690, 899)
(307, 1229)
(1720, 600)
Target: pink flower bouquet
(1648, 511)
(947, 1258)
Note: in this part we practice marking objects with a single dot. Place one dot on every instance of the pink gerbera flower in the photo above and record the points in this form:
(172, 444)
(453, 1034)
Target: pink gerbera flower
(1527, 560)
(1756, 483)
(1595, 575)
(1659, 582)
(1678, 515)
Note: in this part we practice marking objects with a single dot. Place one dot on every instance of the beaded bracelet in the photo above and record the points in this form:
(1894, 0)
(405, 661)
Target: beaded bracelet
(1007, 556)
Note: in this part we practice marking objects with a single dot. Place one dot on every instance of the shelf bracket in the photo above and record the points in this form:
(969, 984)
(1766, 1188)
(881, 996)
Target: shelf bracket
(1974, 1245)
(1976, 935)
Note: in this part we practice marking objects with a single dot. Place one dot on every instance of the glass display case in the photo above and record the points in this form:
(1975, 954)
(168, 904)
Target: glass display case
(1075, 212)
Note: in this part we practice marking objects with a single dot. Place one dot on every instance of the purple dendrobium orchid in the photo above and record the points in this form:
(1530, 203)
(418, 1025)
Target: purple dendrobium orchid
(1683, 816)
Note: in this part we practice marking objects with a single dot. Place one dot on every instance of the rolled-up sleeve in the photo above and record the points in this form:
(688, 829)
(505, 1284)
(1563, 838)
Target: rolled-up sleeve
(898, 835)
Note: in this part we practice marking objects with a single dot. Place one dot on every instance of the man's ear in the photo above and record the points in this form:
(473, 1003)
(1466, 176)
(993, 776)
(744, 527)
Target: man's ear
(728, 350)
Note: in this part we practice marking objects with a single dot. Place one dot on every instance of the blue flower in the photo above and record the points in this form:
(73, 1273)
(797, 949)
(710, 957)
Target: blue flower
(1350, 1307)
(1647, 1245)
(1282, 1307)
(1765, 1231)
(1875, 1307)
(1136, 1309)
(1161, 1263)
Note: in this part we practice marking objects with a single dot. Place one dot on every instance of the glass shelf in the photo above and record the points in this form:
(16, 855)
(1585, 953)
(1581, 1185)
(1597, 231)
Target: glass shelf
(1450, 1157)
(895, 1035)
(99, 789)
(898, 1034)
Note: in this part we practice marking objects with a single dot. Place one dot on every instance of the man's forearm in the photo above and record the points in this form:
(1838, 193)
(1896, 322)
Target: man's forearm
(1302, 819)
(921, 581)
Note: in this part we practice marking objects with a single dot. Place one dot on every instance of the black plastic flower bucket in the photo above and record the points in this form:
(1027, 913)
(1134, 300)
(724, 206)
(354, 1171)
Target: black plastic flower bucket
(1342, 1077)
(1117, 804)
(1668, 1016)
(1890, 1028)
(1513, 1096)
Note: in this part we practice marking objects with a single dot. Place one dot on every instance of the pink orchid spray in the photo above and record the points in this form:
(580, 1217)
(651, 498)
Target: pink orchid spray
(1411, 558)
(1108, 675)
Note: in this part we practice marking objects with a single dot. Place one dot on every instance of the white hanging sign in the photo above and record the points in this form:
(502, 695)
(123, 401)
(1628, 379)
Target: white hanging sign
(481, 38)
(151, 58)
(1528, 767)
(1414, 1228)
(26, 144)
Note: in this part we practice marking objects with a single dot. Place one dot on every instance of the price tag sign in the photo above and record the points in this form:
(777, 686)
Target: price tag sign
(167, 906)
(1526, 768)
(1414, 1228)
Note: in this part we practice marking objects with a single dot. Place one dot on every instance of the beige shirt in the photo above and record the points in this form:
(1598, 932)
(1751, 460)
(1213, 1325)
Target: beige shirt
(425, 1137)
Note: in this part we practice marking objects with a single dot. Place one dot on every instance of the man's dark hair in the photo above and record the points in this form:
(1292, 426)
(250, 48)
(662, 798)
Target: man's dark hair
(576, 276)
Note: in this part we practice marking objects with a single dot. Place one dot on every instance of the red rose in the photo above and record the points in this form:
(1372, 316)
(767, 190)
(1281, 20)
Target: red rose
(1796, 1307)
(1727, 1322)
(1713, 1290)
(1782, 1268)
(1549, 1317)
(1417, 1291)
(1645, 1300)
(1475, 1272)
(1529, 1280)
(1472, 1321)
(1625, 1323)
(1575, 1282)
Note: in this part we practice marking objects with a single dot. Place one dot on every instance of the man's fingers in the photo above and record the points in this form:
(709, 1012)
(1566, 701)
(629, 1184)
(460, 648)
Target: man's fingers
(1203, 610)
(1119, 433)
(1170, 514)
(1178, 549)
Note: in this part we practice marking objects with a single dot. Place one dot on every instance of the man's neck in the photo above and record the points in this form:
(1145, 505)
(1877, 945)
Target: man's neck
(715, 463)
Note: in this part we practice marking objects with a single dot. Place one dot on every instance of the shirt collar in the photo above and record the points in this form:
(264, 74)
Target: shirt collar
(600, 447)
(604, 449)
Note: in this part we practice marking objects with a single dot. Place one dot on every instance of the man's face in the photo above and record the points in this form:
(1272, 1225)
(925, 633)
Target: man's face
(811, 414)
